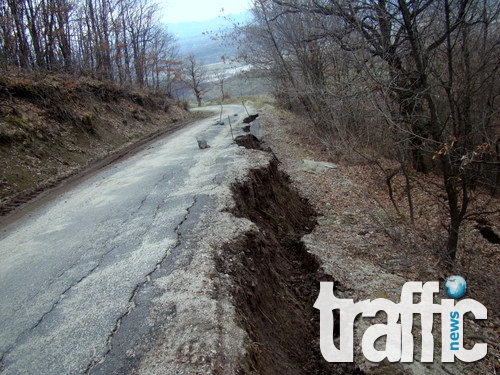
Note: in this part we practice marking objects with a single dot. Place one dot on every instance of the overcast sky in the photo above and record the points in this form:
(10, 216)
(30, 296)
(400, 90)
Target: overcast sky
(175, 11)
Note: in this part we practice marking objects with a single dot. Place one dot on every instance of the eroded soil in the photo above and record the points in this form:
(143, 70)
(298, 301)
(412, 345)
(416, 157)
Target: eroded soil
(276, 279)
(371, 250)
(274, 274)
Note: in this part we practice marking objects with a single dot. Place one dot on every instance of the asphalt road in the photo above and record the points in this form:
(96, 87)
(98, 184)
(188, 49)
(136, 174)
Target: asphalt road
(72, 271)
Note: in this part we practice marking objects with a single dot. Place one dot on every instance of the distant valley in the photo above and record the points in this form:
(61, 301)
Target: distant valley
(200, 38)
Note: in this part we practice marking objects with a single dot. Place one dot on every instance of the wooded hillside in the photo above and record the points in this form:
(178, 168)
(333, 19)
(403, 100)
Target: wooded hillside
(415, 81)
(106, 39)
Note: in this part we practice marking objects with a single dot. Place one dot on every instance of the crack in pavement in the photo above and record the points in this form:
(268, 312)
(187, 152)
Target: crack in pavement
(54, 305)
(138, 287)
(63, 285)
(77, 282)
(77, 263)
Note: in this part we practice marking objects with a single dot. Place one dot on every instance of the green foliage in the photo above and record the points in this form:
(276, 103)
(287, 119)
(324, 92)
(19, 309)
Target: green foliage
(88, 123)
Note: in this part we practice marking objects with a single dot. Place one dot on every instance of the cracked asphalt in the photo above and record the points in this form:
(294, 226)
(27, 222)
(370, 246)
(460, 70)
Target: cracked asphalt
(77, 277)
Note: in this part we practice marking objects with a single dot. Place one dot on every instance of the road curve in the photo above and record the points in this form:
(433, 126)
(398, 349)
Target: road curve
(73, 270)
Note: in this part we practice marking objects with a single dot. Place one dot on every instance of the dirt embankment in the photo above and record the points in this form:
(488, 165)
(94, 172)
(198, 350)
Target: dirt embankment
(276, 280)
(54, 126)
(369, 252)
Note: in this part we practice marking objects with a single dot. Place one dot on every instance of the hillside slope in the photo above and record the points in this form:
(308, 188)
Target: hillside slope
(54, 126)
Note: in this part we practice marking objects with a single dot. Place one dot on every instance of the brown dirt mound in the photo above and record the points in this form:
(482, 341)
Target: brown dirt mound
(277, 280)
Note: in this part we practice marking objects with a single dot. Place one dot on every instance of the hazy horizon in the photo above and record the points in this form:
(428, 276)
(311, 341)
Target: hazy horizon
(181, 11)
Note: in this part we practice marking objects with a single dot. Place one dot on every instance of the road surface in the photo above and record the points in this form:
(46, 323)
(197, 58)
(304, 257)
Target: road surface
(77, 277)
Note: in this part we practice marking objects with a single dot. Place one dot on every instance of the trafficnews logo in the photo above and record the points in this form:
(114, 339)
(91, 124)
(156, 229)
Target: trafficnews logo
(398, 330)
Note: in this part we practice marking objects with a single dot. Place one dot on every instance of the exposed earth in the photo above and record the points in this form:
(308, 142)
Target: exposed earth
(291, 219)
(53, 127)
(371, 251)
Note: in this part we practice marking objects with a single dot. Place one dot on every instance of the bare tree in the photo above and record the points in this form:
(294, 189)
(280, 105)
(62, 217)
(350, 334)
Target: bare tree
(162, 57)
(435, 92)
(17, 14)
(108, 39)
(195, 77)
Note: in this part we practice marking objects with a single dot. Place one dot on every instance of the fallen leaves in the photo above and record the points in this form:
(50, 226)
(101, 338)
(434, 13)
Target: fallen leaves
(362, 239)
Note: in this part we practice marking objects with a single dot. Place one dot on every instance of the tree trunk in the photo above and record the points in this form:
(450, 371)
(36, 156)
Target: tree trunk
(23, 54)
(454, 227)
(198, 97)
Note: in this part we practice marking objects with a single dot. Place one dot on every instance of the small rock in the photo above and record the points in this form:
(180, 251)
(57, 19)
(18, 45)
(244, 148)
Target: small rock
(317, 167)
(202, 143)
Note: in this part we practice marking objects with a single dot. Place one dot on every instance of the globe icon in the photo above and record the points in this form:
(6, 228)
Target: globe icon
(455, 286)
